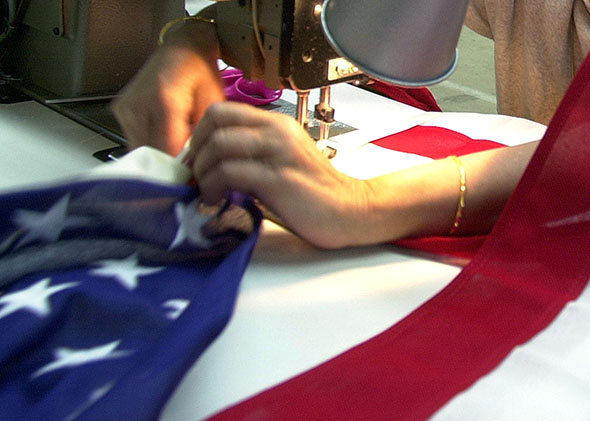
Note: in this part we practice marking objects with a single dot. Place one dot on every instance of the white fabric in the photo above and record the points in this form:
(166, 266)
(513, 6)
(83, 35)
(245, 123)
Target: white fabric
(145, 163)
(299, 306)
(548, 378)
(362, 160)
(498, 128)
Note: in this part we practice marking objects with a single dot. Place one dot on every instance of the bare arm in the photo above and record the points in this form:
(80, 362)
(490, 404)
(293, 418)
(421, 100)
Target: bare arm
(423, 200)
(161, 105)
(237, 147)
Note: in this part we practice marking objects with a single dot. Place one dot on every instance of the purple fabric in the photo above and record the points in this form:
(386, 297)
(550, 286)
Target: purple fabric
(239, 89)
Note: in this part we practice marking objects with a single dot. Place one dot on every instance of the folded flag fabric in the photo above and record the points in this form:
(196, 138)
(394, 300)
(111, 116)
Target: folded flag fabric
(110, 290)
(420, 98)
(532, 265)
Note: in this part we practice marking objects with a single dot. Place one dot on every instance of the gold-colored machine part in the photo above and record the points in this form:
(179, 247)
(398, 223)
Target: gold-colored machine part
(282, 43)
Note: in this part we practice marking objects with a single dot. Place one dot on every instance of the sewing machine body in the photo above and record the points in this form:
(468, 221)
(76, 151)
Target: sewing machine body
(81, 49)
(76, 48)
(291, 52)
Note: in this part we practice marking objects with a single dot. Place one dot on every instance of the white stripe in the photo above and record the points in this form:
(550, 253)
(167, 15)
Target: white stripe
(547, 378)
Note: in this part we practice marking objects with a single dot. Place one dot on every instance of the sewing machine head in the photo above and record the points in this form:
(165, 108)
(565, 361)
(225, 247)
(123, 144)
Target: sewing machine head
(280, 42)
(307, 44)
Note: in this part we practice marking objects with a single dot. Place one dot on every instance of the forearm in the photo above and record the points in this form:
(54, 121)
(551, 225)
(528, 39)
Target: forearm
(423, 200)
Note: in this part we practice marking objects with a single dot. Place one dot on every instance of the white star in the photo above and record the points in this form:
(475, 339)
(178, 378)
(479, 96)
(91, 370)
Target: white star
(176, 307)
(190, 222)
(47, 226)
(34, 299)
(66, 357)
(126, 271)
(94, 397)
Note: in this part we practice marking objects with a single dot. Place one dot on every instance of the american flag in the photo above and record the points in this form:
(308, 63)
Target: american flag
(506, 339)
(110, 289)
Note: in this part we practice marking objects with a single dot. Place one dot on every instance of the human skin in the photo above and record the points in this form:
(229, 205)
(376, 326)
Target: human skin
(162, 104)
(267, 155)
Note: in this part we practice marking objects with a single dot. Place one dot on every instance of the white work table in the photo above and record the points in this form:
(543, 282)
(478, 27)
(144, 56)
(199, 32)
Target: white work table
(298, 306)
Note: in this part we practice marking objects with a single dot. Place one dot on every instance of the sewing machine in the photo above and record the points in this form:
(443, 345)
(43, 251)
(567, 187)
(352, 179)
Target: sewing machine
(74, 56)
(307, 44)
(282, 43)
(77, 49)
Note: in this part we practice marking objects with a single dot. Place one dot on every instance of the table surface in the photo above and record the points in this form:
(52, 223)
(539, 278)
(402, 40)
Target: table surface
(298, 306)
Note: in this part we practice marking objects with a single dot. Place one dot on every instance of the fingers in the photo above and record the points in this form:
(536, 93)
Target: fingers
(238, 147)
(238, 143)
(246, 176)
(160, 106)
(224, 115)
(132, 123)
(168, 126)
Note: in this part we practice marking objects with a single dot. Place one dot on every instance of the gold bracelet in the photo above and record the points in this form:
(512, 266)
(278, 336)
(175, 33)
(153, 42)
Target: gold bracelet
(183, 19)
(462, 190)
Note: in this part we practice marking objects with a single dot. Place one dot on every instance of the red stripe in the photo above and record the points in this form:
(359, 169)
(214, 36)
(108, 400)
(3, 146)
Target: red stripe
(460, 250)
(420, 98)
(434, 142)
(521, 279)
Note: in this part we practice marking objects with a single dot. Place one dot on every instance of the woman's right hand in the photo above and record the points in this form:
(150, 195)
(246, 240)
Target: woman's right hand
(161, 105)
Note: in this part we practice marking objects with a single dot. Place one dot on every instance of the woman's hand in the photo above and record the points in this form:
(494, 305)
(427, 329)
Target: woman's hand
(269, 156)
(162, 104)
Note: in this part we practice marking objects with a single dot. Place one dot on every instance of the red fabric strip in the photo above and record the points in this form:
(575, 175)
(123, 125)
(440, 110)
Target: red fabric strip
(420, 98)
(460, 249)
(532, 264)
(434, 142)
